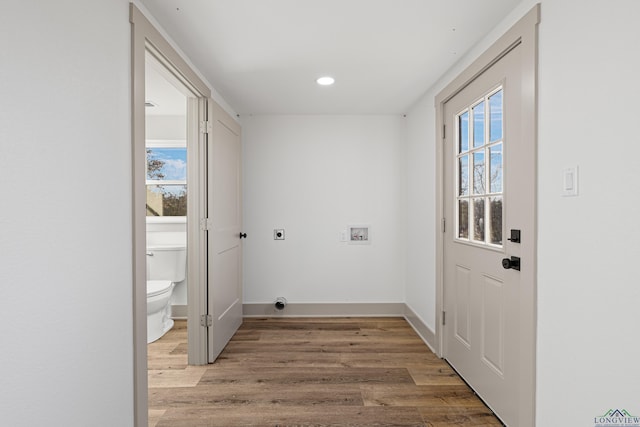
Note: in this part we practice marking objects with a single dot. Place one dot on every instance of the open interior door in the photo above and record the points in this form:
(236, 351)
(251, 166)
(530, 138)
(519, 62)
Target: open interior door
(224, 206)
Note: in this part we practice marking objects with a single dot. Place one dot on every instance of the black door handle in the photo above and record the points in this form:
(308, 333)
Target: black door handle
(515, 236)
(511, 263)
(243, 235)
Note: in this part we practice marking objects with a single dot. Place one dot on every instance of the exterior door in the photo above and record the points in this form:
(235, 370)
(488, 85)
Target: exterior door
(224, 206)
(489, 190)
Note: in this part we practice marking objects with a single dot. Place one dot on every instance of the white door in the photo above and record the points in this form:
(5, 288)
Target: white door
(224, 209)
(489, 190)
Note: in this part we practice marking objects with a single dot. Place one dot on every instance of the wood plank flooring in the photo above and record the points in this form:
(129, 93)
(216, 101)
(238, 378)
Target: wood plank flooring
(311, 372)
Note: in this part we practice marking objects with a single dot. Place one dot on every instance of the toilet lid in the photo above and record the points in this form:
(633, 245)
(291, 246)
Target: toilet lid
(157, 287)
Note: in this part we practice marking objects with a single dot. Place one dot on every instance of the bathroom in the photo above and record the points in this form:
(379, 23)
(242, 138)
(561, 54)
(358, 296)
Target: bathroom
(166, 185)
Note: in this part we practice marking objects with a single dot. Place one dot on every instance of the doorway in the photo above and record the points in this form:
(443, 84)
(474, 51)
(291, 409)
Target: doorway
(166, 150)
(148, 42)
(214, 224)
(487, 201)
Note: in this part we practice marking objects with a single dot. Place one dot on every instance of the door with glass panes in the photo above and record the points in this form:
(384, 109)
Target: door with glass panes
(489, 182)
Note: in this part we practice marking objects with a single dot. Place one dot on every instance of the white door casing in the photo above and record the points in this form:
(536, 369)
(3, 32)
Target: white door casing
(487, 327)
(145, 38)
(481, 298)
(224, 189)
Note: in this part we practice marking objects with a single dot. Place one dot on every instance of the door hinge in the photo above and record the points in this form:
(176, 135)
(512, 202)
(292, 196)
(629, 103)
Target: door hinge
(444, 131)
(205, 224)
(444, 318)
(206, 320)
(444, 225)
(205, 126)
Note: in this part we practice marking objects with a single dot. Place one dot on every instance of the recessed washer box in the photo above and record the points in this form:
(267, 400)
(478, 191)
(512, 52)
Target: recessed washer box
(359, 234)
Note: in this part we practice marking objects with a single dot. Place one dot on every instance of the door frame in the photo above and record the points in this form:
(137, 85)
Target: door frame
(145, 37)
(525, 34)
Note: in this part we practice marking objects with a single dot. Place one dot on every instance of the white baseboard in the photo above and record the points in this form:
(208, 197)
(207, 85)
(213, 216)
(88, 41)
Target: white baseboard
(325, 310)
(423, 331)
(179, 312)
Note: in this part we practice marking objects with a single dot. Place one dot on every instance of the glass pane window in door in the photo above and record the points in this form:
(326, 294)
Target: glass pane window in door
(463, 219)
(479, 170)
(478, 173)
(495, 116)
(478, 125)
(463, 176)
(463, 132)
(495, 223)
(495, 168)
(478, 220)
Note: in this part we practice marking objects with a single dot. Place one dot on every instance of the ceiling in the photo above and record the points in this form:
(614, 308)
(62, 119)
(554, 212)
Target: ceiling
(263, 56)
(165, 92)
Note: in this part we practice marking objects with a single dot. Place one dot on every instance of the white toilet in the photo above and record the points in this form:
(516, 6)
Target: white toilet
(166, 266)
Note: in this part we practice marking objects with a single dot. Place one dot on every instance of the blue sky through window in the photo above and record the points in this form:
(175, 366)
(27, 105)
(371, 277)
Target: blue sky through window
(495, 107)
(174, 162)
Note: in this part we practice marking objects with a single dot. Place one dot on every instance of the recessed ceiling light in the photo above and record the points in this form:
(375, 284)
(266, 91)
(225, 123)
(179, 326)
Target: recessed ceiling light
(326, 81)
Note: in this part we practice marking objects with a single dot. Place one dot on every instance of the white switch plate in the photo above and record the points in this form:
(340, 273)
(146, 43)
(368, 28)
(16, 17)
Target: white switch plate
(570, 181)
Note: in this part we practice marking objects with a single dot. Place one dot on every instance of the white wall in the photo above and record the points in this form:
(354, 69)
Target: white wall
(313, 176)
(66, 298)
(166, 127)
(421, 213)
(587, 293)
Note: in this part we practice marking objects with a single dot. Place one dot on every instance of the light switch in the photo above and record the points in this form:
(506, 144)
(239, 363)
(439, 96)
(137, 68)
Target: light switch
(570, 181)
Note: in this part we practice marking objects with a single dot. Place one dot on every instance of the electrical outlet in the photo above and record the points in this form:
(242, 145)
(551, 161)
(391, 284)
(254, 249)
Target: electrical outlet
(278, 234)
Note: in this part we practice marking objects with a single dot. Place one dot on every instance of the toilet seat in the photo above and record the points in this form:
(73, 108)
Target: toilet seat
(158, 287)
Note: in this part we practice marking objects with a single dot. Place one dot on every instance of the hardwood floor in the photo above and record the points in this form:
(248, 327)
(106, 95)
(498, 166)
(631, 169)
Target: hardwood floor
(311, 372)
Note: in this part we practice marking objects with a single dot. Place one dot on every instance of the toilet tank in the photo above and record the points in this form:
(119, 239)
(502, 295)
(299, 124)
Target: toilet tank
(167, 262)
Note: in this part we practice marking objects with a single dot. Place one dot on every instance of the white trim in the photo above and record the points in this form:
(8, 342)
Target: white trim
(166, 143)
(426, 333)
(166, 182)
(166, 220)
(146, 37)
(328, 309)
(196, 236)
(179, 312)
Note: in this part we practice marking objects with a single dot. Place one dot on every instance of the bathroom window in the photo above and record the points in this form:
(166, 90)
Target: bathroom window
(166, 178)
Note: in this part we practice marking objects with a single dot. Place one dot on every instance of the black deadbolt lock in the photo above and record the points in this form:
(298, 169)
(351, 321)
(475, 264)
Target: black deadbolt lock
(515, 236)
(511, 263)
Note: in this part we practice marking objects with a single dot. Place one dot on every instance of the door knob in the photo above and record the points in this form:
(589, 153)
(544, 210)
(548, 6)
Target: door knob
(243, 235)
(511, 263)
